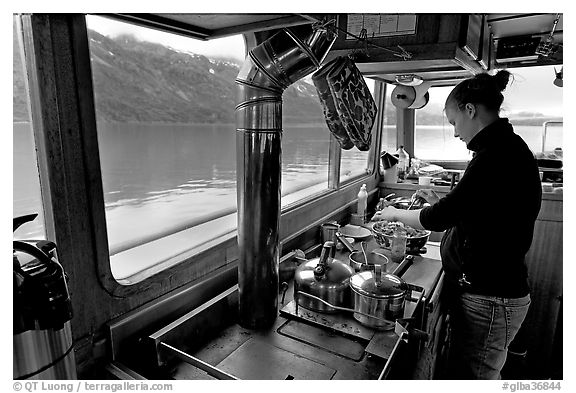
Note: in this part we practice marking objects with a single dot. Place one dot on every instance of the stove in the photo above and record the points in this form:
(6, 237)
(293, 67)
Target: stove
(208, 342)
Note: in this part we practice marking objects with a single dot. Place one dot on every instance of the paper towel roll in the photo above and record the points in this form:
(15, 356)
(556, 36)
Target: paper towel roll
(411, 97)
(403, 96)
(422, 96)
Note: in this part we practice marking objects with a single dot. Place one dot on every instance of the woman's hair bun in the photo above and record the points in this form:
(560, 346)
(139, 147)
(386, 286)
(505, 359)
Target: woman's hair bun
(501, 79)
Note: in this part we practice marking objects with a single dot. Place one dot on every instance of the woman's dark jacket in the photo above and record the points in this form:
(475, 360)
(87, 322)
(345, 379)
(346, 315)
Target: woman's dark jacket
(489, 216)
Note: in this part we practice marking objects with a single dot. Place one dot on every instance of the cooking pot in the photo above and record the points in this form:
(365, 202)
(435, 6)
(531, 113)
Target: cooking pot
(380, 295)
(378, 298)
(325, 278)
(366, 260)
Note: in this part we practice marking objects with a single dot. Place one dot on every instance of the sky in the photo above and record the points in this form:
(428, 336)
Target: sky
(531, 90)
(230, 46)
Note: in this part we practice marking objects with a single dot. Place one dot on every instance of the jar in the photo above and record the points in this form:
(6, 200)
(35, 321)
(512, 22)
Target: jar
(398, 246)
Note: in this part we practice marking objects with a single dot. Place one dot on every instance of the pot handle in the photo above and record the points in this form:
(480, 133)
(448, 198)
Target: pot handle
(345, 308)
(411, 288)
(378, 274)
(345, 242)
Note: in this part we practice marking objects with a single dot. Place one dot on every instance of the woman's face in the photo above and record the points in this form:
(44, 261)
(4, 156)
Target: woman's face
(465, 127)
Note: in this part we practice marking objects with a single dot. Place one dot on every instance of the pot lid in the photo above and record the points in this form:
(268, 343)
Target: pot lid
(334, 272)
(388, 286)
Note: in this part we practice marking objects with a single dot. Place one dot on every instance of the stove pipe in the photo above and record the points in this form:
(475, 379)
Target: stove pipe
(267, 71)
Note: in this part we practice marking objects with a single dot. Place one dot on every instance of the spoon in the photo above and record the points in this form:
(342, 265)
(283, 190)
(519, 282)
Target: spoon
(363, 252)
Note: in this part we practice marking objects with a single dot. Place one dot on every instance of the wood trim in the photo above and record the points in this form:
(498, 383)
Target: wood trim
(551, 210)
(278, 23)
(162, 23)
(334, 157)
(37, 99)
(545, 271)
(380, 99)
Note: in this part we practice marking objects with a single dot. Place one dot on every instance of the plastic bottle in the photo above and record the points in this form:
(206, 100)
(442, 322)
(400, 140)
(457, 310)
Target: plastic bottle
(403, 162)
(362, 202)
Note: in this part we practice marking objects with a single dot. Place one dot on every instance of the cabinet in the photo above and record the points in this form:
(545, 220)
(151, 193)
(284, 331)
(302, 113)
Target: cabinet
(444, 48)
(434, 351)
(540, 338)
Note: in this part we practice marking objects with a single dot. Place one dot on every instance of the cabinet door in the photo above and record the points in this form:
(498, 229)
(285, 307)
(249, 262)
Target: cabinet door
(539, 331)
(429, 362)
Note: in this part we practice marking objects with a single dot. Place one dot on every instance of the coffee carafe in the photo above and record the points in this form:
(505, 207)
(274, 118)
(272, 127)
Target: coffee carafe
(42, 311)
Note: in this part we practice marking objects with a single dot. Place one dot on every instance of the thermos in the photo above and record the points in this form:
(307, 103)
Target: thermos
(42, 311)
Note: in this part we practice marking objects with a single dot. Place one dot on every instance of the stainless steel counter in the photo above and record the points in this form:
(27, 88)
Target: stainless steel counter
(309, 346)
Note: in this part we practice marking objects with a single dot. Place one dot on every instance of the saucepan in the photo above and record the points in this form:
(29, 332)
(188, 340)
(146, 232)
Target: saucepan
(362, 260)
(378, 298)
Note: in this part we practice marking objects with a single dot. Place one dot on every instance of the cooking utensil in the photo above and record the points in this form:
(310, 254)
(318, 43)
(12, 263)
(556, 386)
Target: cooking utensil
(328, 231)
(357, 232)
(326, 278)
(360, 262)
(363, 252)
(382, 320)
(413, 243)
(345, 242)
(379, 296)
(379, 254)
(404, 203)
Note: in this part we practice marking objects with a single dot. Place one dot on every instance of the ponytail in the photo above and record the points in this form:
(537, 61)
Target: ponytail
(482, 89)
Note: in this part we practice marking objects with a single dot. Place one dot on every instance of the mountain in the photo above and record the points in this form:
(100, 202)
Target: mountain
(139, 81)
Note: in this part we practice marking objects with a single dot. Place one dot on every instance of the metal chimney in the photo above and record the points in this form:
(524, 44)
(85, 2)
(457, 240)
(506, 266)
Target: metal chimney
(267, 71)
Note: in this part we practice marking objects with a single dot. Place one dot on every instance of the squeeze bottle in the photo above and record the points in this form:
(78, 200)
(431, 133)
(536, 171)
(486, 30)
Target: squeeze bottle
(362, 202)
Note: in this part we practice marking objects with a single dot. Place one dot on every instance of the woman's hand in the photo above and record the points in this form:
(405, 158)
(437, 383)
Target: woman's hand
(428, 195)
(388, 214)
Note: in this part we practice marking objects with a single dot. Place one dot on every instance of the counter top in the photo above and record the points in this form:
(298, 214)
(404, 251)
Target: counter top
(408, 186)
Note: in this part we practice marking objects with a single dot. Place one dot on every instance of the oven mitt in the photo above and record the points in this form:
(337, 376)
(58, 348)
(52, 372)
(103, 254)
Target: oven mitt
(333, 121)
(354, 103)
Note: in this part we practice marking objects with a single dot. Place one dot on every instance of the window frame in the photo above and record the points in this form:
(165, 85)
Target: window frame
(57, 49)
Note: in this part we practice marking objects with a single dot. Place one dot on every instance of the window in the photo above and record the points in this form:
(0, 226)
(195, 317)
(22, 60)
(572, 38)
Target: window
(305, 143)
(27, 198)
(165, 109)
(353, 162)
(433, 135)
(167, 141)
(528, 114)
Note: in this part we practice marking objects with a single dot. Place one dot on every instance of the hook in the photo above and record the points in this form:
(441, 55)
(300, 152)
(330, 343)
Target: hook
(362, 39)
(405, 55)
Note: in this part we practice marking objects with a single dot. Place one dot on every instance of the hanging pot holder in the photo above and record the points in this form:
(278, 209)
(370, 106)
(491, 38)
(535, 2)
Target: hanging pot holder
(328, 103)
(354, 103)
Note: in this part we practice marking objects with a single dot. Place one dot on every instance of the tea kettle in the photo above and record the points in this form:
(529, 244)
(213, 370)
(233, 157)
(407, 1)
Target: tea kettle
(42, 310)
(326, 278)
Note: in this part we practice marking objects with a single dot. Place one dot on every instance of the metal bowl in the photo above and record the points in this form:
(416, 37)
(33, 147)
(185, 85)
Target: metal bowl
(413, 243)
(405, 203)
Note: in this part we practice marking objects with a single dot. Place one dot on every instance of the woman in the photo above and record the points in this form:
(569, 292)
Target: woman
(489, 221)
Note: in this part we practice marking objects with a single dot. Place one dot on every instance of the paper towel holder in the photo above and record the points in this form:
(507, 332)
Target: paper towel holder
(409, 79)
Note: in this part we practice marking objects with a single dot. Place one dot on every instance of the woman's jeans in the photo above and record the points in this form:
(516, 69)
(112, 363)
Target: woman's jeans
(482, 328)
